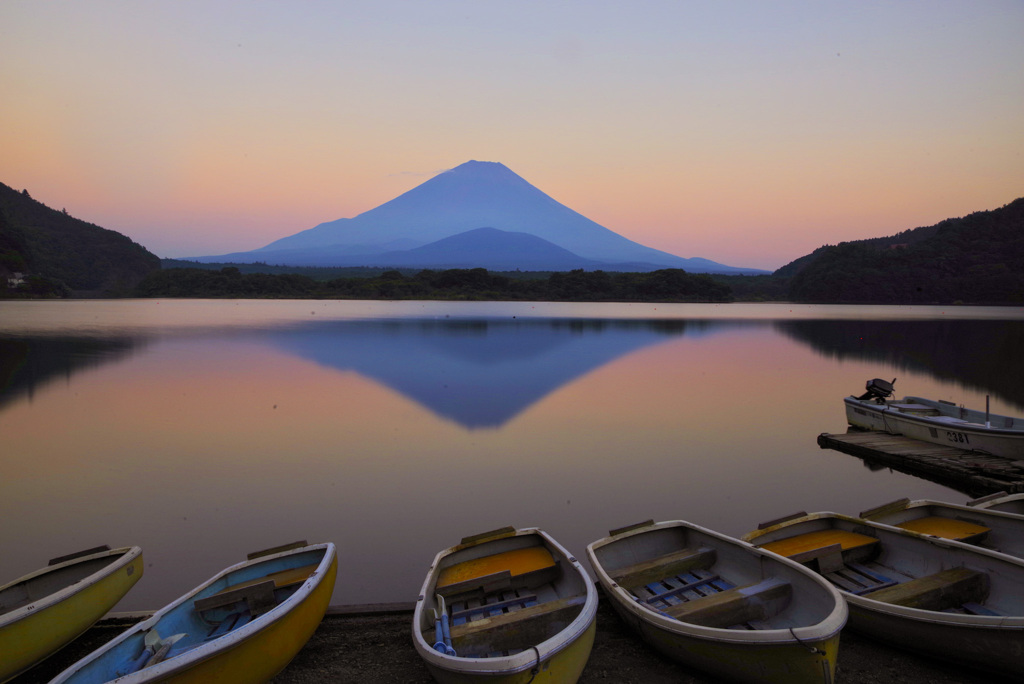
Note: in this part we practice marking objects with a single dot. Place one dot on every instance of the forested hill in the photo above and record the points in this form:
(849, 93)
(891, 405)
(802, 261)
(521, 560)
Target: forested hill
(61, 255)
(977, 259)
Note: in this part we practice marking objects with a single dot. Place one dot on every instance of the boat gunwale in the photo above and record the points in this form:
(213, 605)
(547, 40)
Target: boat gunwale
(527, 658)
(128, 554)
(964, 508)
(208, 650)
(831, 625)
(931, 421)
(988, 505)
(917, 614)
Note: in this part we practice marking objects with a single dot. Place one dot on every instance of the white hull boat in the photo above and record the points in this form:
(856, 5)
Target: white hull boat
(935, 421)
(720, 605)
(943, 599)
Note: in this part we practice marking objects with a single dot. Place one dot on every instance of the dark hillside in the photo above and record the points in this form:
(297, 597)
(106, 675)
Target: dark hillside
(51, 245)
(977, 259)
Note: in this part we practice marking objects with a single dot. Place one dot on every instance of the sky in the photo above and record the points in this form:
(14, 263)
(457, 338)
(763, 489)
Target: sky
(749, 133)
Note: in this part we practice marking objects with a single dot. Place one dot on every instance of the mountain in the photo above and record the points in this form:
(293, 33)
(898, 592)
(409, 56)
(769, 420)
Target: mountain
(471, 196)
(59, 252)
(493, 249)
(978, 258)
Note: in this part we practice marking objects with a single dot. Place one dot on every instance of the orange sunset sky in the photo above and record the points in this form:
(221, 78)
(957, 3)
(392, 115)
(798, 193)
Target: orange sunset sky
(749, 133)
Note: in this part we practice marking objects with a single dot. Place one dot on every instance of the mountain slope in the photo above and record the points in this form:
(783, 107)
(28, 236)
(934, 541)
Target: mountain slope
(493, 249)
(90, 260)
(470, 196)
(978, 258)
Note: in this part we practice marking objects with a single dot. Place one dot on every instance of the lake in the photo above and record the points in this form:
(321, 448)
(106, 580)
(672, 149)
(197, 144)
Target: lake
(202, 430)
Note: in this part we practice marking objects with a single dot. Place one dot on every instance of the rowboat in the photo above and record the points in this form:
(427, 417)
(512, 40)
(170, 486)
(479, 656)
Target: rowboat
(505, 606)
(989, 529)
(45, 610)
(938, 422)
(245, 624)
(941, 598)
(720, 605)
(1001, 501)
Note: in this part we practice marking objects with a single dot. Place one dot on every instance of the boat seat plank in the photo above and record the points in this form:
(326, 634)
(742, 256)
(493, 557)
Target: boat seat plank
(515, 562)
(487, 584)
(946, 589)
(853, 546)
(654, 569)
(523, 576)
(78, 554)
(258, 592)
(259, 598)
(281, 578)
(513, 629)
(948, 528)
(732, 606)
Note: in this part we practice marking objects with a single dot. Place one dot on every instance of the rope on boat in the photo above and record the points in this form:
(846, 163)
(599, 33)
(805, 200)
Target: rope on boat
(536, 668)
(813, 649)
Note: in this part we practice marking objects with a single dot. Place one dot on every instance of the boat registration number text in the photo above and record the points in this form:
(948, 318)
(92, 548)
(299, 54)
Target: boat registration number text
(957, 437)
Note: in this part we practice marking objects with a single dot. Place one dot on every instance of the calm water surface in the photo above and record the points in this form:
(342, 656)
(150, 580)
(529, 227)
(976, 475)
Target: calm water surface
(202, 430)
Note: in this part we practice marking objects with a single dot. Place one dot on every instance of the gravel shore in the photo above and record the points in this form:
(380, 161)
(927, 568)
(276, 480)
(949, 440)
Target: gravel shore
(377, 649)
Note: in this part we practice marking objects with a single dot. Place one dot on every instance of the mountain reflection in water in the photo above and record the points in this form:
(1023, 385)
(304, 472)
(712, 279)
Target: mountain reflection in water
(482, 373)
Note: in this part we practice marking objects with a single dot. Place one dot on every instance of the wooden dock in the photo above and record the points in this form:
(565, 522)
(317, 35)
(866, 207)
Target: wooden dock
(968, 471)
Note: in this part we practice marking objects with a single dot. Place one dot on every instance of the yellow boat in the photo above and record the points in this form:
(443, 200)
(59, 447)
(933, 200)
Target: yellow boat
(988, 528)
(505, 607)
(717, 604)
(44, 611)
(244, 625)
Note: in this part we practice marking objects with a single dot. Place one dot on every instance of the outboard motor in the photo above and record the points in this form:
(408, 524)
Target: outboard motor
(878, 389)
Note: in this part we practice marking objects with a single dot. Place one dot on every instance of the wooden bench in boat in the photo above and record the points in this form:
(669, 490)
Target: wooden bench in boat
(515, 629)
(946, 589)
(258, 593)
(947, 528)
(529, 566)
(733, 606)
(701, 596)
(654, 569)
(831, 548)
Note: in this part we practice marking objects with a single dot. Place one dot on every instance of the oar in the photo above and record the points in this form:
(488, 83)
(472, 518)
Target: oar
(445, 629)
(438, 634)
(150, 643)
(154, 650)
(165, 646)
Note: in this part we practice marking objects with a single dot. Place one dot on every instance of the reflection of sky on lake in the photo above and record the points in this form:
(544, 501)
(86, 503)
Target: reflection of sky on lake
(211, 429)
